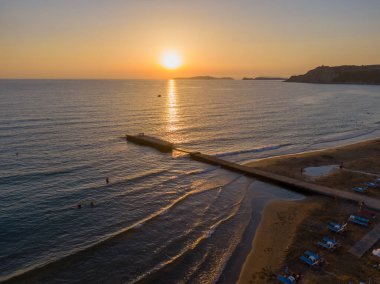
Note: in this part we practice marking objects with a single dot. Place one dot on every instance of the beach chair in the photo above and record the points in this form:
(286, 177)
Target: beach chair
(359, 220)
(328, 244)
(337, 228)
(371, 184)
(307, 260)
(285, 280)
(378, 179)
(360, 189)
(311, 258)
(324, 245)
(312, 254)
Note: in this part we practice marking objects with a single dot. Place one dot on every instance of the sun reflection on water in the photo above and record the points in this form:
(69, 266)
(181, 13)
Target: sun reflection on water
(172, 117)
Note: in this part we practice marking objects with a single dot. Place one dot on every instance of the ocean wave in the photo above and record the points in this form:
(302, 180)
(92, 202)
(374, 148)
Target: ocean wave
(150, 175)
(38, 175)
(204, 171)
(196, 224)
(107, 238)
(206, 235)
(255, 150)
(336, 137)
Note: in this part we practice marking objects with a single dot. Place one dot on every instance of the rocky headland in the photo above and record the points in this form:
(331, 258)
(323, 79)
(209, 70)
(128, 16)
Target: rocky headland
(347, 74)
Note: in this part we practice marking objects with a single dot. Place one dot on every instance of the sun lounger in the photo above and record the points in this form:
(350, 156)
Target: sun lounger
(307, 260)
(328, 244)
(311, 258)
(378, 179)
(359, 223)
(310, 253)
(337, 228)
(371, 184)
(326, 239)
(360, 189)
(359, 220)
(285, 280)
(324, 245)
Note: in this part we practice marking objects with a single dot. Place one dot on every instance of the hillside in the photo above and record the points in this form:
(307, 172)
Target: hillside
(347, 74)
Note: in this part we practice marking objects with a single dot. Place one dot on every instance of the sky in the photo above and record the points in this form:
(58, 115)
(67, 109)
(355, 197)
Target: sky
(121, 39)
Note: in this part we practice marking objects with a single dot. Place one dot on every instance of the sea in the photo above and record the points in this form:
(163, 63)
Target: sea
(162, 218)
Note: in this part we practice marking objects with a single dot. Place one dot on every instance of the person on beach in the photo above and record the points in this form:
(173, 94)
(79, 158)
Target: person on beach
(341, 165)
(361, 206)
(107, 180)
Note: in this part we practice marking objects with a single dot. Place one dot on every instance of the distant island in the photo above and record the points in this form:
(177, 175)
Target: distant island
(346, 74)
(203, 78)
(264, 78)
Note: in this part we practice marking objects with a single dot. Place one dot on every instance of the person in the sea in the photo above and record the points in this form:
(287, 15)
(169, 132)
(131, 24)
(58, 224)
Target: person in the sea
(92, 204)
(79, 206)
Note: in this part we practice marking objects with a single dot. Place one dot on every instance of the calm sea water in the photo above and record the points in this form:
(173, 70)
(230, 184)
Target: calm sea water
(163, 218)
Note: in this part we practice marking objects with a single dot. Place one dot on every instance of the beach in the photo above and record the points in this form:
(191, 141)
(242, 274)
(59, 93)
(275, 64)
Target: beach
(288, 228)
(280, 220)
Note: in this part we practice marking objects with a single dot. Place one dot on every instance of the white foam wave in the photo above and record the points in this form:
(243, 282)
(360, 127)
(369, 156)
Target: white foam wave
(255, 150)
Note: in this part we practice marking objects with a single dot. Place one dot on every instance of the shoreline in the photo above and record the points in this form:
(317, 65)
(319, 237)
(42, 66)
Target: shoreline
(249, 268)
(311, 151)
(231, 271)
(278, 218)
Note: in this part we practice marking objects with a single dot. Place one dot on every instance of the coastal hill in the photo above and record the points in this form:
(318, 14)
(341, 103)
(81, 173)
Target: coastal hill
(203, 78)
(264, 78)
(346, 74)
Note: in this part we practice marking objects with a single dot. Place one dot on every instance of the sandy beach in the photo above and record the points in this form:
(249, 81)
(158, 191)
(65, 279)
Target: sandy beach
(273, 237)
(288, 228)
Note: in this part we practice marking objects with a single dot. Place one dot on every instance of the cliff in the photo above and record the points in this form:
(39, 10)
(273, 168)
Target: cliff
(347, 74)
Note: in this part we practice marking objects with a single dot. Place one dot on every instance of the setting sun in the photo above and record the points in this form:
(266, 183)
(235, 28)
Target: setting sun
(171, 60)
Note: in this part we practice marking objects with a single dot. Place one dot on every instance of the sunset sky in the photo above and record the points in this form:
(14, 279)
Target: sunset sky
(127, 39)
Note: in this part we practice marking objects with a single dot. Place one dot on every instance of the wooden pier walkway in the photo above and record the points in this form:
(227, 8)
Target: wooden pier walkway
(154, 142)
(366, 242)
(262, 175)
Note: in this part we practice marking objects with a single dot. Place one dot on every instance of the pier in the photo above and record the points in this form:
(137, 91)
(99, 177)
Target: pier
(368, 241)
(142, 139)
(280, 180)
